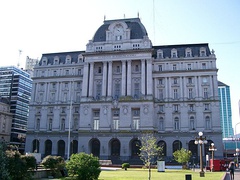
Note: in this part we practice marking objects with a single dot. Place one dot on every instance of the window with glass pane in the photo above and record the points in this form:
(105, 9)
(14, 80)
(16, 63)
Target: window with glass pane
(174, 67)
(38, 124)
(98, 91)
(176, 123)
(192, 126)
(205, 93)
(117, 91)
(161, 94)
(190, 93)
(62, 125)
(96, 117)
(208, 125)
(160, 68)
(175, 94)
(50, 125)
(136, 90)
(161, 125)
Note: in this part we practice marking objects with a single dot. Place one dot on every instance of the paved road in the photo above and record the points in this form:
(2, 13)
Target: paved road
(236, 175)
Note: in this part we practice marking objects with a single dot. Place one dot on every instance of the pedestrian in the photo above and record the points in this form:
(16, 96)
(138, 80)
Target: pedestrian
(231, 169)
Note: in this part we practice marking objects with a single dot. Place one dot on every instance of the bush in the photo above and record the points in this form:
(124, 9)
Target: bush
(55, 163)
(19, 165)
(125, 166)
(83, 165)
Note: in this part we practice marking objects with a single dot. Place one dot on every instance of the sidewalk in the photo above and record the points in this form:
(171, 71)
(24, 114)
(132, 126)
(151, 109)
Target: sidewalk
(236, 175)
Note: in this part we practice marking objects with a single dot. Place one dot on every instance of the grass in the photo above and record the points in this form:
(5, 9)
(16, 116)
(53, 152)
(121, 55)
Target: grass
(142, 174)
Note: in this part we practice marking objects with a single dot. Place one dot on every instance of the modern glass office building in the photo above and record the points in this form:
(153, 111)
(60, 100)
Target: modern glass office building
(16, 85)
(225, 109)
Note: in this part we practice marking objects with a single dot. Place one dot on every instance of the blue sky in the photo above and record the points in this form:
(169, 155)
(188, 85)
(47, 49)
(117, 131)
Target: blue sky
(42, 26)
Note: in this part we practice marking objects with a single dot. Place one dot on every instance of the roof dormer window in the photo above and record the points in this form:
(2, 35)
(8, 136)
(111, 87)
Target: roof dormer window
(160, 54)
(174, 53)
(44, 61)
(188, 52)
(56, 60)
(80, 58)
(68, 59)
(202, 52)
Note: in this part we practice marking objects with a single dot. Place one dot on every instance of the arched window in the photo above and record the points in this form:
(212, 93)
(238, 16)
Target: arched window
(74, 147)
(177, 145)
(61, 148)
(35, 146)
(135, 148)
(115, 147)
(95, 147)
(48, 147)
(163, 145)
(161, 124)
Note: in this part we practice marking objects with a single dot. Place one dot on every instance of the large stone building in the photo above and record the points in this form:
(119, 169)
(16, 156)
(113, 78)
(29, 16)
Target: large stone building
(103, 99)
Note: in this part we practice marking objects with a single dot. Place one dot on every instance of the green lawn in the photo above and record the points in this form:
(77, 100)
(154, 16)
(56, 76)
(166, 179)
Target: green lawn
(142, 174)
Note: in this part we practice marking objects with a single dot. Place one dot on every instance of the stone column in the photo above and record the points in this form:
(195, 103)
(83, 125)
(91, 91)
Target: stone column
(109, 79)
(47, 90)
(123, 93)
(149, 77)
(143, 81)
(129, 78)
(90, 90)
(104, 79)
(85, 80)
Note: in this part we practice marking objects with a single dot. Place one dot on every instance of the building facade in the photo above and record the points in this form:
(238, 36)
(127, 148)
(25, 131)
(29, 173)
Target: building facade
(5, 120)
(103, 99)
(225, 110)
(29, 65)
(16, 85)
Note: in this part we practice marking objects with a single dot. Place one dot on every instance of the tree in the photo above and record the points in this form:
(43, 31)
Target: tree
(149, 151)
(19, 166)
(83, 165)
(4, 173)
(182, 156)
(55, 163)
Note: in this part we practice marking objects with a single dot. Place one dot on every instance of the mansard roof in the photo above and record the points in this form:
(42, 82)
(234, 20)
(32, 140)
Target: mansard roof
(138, 30)
(195, 49)
(62, 56)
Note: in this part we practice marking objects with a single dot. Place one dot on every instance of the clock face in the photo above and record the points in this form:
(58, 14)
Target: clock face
(118, 30)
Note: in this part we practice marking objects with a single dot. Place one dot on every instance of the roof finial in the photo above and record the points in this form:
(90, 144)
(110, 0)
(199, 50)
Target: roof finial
(104, 17)
(138, 14)
(123, 16)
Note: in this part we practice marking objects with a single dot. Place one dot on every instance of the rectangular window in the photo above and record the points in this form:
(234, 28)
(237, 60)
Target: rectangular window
(67, 72)
(205, 93)
(190, 80)
(204, 66)
(175, 107)
(116, 119)
(98, 91)
(117, 91)
(160, 81)
(160, 68)
(206, 107)
(175, 80)
(63, 109)
(62, 125)
(96, 118)
(189, 67)
(118, 69)
(190, 93)
(136, 90)
(191, 107)
(161, 109)
(79, 71)
(50, 125)
(38, 124)
(161, 125)
(174, 67)
(161, 94)
(176, 124)
(175, 94)
(136, 119)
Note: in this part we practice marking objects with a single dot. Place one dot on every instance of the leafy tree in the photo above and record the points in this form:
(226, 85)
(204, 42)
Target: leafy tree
(19, 165)
(55, 164)
(149, 151)
(4, 173)
(85, 166)
(182, 156)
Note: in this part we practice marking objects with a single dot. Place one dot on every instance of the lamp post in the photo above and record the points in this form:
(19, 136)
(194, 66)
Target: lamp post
(237, 153)
(212, 148)
(201, 140)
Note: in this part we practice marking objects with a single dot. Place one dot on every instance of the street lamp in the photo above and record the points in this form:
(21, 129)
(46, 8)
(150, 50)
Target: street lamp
(212, 148)
(201, 140)
(237, 153)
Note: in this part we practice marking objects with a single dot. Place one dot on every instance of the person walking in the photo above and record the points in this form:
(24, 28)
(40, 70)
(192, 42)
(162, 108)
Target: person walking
(231, 169)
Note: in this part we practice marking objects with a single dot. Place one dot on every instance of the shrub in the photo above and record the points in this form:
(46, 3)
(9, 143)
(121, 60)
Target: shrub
(55, 163)
(19, 165)
(83, 165)
(125, 166)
